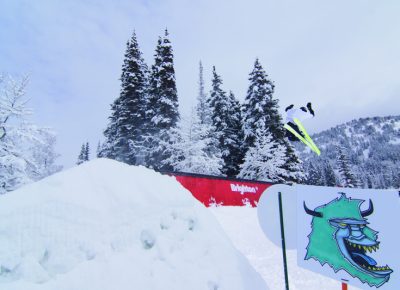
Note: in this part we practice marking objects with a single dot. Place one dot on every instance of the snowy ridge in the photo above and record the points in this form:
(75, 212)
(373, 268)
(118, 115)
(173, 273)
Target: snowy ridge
(372, 145)
(107, 225)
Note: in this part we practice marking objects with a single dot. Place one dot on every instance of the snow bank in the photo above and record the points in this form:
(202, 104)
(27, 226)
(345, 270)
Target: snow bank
(107, 225)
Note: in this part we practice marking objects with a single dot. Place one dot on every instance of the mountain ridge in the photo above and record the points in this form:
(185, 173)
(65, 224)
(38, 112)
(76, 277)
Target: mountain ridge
(372, 145)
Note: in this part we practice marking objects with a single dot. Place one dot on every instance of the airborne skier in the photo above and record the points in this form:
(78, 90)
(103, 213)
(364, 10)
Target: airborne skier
(296, 130)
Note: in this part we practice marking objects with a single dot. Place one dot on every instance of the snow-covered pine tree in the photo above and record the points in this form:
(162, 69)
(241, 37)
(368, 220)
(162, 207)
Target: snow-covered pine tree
(82, 155)
(261, 109)
(162, 108)
(265, 159)
(315, 176)
(202, 108)
(196, 155)
(98, 150)
(220, 107)
(396, 178)
(218, 104)
(369, 182)
(330, 178)
(207, 129)
(87, 151)
(124, 134)
(294, 167)
(256, 107)
(234, 138)
(347, 178)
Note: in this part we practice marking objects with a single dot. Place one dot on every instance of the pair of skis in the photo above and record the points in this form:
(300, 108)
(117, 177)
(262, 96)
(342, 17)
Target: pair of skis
(306, 139)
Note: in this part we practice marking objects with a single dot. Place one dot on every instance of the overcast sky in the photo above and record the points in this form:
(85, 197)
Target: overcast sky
(342, 55)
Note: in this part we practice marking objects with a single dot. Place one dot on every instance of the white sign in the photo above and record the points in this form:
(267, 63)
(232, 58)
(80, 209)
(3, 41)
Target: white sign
(352, 235)
(268, 214)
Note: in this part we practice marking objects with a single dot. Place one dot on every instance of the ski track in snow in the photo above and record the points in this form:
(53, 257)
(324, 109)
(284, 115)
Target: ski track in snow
(242, 227)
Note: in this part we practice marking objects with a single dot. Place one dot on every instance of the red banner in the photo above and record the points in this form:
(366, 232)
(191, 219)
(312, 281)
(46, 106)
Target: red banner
(223, 192)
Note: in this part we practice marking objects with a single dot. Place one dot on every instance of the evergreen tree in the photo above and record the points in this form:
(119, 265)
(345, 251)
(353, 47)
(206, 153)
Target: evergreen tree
(202, 107)
(87, 152)
(226, 123)
(194, 150)
(260, 109)
(330, 178)
(293, 166)
(258, 105)
(82, 155)
(98, 150)
(218, 103)
(124, 134)
(163, 110)
(265, 159)
(204, 132)
(347, 178)
(234, 136)
(315, 175)
(396, 179)
(369, 182)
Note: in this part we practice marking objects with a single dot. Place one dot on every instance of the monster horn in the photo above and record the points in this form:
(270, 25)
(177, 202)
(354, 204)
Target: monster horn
(311, 212)
(369, 211)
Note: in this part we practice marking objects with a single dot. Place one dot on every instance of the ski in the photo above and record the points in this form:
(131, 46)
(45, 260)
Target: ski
(307, 140)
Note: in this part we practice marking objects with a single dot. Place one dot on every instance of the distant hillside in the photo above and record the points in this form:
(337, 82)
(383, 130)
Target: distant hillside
(372, 145)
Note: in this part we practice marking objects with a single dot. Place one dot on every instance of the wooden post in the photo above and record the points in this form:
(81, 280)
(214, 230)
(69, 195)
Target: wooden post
(283, 241)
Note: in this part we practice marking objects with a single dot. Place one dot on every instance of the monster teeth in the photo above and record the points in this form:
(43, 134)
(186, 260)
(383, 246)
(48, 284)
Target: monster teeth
(383, 268)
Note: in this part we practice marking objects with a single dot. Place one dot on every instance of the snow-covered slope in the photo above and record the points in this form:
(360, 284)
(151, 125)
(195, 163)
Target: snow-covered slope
(106, 225)
(241, 225)
(372, 145)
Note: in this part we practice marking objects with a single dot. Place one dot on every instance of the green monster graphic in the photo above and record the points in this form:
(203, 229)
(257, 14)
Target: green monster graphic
(341, 238)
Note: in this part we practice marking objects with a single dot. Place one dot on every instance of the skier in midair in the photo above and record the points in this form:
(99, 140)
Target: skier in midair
(296, 130)
(301, 114)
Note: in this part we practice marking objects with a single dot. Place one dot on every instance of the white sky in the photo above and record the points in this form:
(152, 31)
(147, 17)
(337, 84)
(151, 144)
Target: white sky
(342, 55)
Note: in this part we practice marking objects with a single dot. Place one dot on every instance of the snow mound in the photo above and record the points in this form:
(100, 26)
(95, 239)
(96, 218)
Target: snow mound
(107, 225)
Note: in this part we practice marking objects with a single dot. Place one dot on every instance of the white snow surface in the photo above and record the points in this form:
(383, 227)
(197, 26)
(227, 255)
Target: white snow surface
(105, 225)
(242, 226)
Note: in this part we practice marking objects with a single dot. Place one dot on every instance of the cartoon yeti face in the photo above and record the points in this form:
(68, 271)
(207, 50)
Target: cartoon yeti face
(341, 238)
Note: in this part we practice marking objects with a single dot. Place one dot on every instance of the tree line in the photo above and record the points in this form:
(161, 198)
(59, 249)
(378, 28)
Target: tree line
(222, 136)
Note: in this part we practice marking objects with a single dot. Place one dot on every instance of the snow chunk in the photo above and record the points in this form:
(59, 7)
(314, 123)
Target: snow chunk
(106, 225)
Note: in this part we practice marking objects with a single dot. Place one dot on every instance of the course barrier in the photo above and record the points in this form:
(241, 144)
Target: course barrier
(219, 191)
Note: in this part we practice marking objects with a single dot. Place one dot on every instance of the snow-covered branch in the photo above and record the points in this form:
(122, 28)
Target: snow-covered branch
(26, 150)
